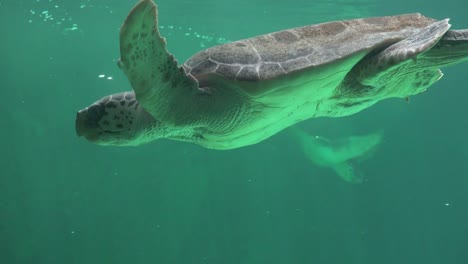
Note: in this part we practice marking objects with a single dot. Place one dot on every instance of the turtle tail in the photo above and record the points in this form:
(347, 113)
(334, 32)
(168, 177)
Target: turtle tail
(339, 155)
(451, 49)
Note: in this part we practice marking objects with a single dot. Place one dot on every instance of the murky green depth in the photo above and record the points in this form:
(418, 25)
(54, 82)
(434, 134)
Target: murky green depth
(64, 200)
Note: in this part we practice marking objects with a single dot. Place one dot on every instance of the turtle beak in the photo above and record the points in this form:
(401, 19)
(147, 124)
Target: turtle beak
(86, 123)
(80, 123)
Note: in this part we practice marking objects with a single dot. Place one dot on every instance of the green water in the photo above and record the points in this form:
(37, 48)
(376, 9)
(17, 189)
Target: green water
(64, 200)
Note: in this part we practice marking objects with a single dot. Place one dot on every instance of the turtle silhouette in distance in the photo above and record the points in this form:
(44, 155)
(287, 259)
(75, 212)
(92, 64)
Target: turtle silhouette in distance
(341, 155)
(241, 93)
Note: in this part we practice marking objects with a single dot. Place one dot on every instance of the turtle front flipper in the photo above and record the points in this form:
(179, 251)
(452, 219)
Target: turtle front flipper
(154, 74)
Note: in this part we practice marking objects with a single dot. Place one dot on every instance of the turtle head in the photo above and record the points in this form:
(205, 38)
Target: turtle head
(119, 120)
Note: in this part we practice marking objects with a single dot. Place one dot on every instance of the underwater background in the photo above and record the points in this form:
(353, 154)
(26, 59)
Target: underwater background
(65, 200)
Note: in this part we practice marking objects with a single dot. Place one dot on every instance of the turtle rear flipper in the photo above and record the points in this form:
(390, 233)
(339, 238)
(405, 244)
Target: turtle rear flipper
(451, 49)
(397, 71)
(154, 74)
(348, 172)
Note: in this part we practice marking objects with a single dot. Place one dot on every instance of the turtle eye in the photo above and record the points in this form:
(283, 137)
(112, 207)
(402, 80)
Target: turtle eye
(95, 113)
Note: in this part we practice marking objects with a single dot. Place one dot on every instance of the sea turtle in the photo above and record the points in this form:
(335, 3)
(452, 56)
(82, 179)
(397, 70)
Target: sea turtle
(241, 93)
(341, 154)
